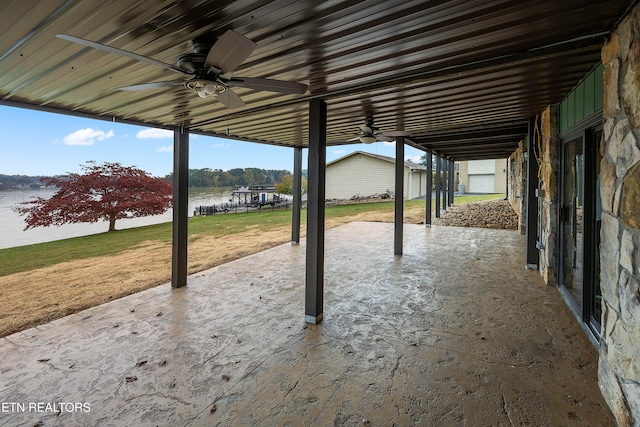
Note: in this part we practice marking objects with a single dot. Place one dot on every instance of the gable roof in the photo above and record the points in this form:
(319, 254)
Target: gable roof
(409, 165)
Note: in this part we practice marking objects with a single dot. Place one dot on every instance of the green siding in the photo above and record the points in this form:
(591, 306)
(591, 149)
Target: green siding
(584, 100)
(589, 95)
(599, 85)
(571, 107)
(564, 115)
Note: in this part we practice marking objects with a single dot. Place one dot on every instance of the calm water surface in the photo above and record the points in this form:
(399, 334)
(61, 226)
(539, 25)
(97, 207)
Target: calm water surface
(12, 234)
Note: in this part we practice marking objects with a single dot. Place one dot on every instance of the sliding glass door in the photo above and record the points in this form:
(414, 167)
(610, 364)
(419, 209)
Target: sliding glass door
(580, 218)
(572, 217)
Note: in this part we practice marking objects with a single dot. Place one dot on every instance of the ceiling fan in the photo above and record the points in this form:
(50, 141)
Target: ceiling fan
(209, 68)
(369, 133)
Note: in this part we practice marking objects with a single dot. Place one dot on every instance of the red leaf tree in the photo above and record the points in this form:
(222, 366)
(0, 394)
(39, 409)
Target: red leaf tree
(108, 192)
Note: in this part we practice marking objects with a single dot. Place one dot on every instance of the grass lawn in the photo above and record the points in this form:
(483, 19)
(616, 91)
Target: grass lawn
(51, 280)
(30, 257)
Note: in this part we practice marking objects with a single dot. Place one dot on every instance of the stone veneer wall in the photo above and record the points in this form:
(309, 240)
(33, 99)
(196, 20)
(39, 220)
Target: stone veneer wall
(516, 188)
(619, 366)
(549, 185)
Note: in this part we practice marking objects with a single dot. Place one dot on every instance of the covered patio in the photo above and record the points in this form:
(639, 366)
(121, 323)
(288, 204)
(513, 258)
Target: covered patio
(435, 326)
(454, 332)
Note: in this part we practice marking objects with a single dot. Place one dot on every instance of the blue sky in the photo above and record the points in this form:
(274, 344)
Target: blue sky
(38, 143)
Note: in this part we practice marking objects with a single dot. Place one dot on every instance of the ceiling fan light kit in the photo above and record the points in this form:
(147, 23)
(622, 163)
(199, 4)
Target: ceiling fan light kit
(368, 139)
(205, 88)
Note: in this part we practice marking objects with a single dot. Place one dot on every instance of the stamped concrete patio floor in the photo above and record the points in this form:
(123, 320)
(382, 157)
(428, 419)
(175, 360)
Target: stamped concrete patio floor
(455, 332)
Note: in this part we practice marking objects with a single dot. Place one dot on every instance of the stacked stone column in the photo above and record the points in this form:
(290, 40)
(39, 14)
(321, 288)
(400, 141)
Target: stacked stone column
(516, 173)
(549, 200)
(619, 366)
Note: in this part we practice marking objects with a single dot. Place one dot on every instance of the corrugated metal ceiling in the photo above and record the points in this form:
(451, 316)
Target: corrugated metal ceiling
(463, 76)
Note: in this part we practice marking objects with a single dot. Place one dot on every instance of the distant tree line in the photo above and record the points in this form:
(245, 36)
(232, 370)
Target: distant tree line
(218, 178)
(205, 177)
(13, 182)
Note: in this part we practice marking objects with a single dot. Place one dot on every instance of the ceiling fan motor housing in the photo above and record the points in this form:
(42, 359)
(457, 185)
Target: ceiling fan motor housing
(192, 62)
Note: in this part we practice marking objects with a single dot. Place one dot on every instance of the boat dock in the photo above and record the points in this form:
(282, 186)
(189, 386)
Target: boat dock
(245, 199)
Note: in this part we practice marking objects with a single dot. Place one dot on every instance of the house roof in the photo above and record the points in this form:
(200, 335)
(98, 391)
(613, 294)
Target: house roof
(462, 76)
(410, 165)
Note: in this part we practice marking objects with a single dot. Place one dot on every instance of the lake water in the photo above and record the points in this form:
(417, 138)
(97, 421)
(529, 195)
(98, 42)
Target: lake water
(12, 234)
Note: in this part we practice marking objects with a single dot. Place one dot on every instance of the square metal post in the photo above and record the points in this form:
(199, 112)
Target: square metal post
(297, 196)
(399, 197)
(444, 183)
(180, 207)
(452, 174)
(438, 167)
(429, 195)
(314, 282)
(507, 180)
(531, 230)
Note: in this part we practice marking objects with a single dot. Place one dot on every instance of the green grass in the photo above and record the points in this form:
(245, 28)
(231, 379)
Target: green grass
(31, 257)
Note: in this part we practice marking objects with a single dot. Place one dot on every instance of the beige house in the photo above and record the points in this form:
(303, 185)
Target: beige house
(484, 176)
(364, 174)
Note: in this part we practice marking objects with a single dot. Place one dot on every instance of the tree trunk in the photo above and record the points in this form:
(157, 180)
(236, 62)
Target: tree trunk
(112, 224)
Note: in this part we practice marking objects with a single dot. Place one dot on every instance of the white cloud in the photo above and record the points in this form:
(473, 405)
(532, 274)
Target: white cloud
(221, 145)
(165, 149)
(87, 136)
(338, 152)
(390, 143)
(415, 159)
(152, 133)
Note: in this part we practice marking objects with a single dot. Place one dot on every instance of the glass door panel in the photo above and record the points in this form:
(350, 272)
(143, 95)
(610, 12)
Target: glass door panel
(573, 220)
(596, 294)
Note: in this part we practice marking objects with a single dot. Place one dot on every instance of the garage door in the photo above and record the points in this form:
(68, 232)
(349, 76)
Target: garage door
(482, 183)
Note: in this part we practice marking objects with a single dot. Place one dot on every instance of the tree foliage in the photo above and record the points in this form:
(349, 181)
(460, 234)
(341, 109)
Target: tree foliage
(285, 186)
(12, 182)
(108, 191)
(207, 177)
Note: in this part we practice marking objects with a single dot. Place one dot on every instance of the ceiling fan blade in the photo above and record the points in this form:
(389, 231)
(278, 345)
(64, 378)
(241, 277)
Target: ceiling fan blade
(229, 51)
(154, 85)
(117, 51)
(230, 99)
(385, 138)
(270, 85)
(357, 138)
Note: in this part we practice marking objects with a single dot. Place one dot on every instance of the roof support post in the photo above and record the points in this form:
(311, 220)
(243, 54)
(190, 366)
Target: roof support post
(180, 207)
(507, 180)
(429, 193)
(438, 169)
(399, 197)
(532, 254)
(452, 173)
(314, 282)
(445, 181)
(297, 195)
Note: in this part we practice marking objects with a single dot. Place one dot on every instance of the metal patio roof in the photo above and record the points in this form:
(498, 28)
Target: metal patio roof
(463, 76)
